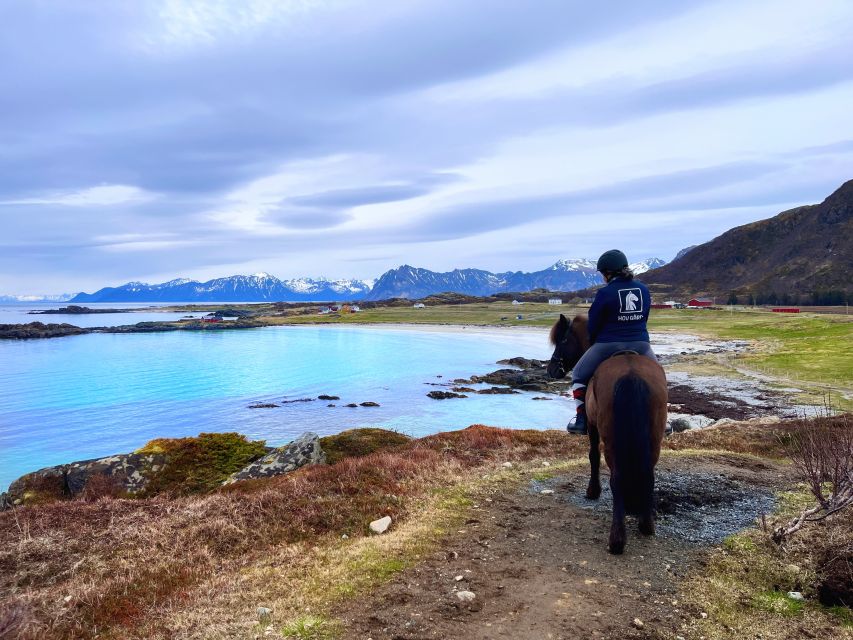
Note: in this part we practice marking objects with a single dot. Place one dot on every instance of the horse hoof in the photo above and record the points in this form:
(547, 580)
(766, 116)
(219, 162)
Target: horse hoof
(593, 493)
(616, 548)
(647, 528)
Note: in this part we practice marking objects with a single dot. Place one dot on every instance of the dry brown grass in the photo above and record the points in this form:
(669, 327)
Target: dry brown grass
(101, 568)
(192, 566)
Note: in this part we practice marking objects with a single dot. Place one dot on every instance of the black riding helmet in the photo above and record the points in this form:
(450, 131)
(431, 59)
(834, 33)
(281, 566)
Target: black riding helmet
(611, 261)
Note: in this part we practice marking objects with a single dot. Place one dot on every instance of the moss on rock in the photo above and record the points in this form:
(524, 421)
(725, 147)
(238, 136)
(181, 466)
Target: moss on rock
(199, 464)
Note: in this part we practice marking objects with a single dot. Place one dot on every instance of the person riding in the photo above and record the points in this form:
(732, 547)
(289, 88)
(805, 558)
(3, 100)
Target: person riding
(617, 322)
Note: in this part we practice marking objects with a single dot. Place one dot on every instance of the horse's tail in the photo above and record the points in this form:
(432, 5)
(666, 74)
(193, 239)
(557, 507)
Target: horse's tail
(632, 443)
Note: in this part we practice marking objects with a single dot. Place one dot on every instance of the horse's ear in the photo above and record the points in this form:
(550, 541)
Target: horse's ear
(563, 318)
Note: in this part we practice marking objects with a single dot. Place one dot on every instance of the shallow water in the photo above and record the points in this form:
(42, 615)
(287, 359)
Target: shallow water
(19, 313)
(88, 396)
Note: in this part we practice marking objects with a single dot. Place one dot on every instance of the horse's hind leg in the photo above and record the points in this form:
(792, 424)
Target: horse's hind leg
(593, 489)
(617, 527)
(646, 522)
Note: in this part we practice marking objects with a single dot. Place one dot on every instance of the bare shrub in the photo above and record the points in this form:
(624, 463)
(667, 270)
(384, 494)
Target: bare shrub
(101, 486)
(822, 453)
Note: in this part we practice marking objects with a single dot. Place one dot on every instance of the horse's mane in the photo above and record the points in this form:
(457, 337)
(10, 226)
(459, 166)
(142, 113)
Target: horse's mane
(578, 327)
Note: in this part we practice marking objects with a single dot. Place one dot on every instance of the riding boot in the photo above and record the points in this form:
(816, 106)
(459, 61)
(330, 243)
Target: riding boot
(578, 426)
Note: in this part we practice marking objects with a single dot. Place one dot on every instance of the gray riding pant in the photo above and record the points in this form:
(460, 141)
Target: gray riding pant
(600, 351)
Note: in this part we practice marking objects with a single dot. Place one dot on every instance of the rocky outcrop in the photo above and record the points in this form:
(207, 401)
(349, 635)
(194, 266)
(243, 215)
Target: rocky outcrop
(124, 473)
(77, 310)
(532, 375)
(444, 395)
(34, 330)
(303, 451)
(497, 391)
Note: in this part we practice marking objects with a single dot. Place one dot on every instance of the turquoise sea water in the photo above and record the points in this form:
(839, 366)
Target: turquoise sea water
(88, 396)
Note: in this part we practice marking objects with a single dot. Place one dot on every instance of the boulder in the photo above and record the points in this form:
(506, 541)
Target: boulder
(523, 363)
(303, 451)
(327, 397)
(497, 391)
(127, 473)
(380, 526)
(683, 422)
(369, 403)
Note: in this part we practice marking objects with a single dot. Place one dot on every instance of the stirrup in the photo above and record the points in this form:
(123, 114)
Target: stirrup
(578, 425)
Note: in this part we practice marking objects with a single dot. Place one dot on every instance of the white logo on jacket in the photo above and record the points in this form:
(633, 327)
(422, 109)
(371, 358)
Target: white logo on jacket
(630, 300)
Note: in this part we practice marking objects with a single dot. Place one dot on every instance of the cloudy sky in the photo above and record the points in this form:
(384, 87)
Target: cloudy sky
(202, 138)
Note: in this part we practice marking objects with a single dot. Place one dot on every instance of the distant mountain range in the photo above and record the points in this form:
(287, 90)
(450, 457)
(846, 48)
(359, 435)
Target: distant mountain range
(564, 275)
(803, 255)
(259, 287)
(402, 282)
(62, 297)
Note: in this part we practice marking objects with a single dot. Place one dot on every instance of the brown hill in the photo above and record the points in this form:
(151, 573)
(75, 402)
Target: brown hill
(800, 256)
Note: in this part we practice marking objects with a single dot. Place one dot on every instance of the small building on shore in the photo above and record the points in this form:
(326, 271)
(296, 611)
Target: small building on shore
(700, 302)
(419, 305)
(555, 301)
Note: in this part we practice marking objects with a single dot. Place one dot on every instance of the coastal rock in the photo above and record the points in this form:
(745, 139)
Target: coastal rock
(297, 400)
(463, 390)
(35, 330)
(263, 405)
(327, 397)
(369, 403)
(74, 309)
(125, 473)
(497, 391)
(351, 405)
(533, 378)
(678, 422)
(303, 451)
(444, 395)
(523, 363)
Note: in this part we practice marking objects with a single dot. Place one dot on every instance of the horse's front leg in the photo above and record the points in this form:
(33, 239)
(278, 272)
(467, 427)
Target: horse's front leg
(593, 489)
(617, 527)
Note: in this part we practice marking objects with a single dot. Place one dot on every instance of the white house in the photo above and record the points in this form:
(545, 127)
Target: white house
(555, 301)
(355, 308)
(516, 302)
(419, 305)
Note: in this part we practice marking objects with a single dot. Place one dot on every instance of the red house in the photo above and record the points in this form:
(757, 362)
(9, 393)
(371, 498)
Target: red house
(700, 302)
(786, 310)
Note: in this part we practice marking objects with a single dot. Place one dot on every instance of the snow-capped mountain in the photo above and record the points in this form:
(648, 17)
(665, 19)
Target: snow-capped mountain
(62, 297)
(403, 282)
(258, 287)
(412, 282)
(646, 265)
(564, 275)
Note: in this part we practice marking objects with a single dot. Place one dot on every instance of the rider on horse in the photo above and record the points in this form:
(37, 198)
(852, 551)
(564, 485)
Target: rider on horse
(617, 322)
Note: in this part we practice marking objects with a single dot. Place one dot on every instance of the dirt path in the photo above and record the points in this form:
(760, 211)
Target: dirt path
(539, 568)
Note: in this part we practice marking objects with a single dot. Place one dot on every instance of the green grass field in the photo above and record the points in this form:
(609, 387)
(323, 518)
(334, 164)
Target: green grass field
(810, 347)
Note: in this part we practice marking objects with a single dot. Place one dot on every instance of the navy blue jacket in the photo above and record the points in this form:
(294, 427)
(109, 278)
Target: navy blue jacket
(619, 312)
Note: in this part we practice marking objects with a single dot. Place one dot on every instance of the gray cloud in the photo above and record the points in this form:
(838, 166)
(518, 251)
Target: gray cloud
(92, 105)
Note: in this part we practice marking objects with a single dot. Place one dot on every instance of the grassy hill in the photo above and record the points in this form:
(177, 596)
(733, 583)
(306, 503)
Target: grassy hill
(800, 256)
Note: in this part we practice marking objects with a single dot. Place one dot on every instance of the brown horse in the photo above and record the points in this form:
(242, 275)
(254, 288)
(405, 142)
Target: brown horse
(626, 411)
